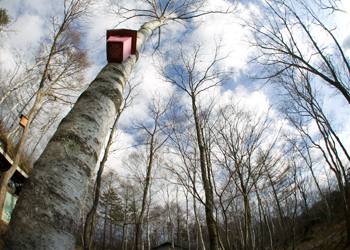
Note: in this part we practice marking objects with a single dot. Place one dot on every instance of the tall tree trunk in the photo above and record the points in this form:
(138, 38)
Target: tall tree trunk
(225, 218)
(123, 235)
(280, 213)
(47, 212)
(125, 223)
(148, 219)
(248, 241)
(198, 223)
(110, 235)
(294, 217)
(241, 232)
(260, 217)
(139, 224)
(178, 220)
(170, 225)
(148, 229)
(105, 229)
(126, 233)
(91, 216)
(187, 223)
(209, 196)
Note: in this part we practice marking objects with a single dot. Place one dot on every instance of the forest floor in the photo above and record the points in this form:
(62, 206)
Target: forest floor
(321, 238)
(324, 237)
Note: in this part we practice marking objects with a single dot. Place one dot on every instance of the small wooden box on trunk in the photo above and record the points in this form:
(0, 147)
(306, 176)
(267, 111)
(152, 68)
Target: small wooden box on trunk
(23, 121)
(120, 44)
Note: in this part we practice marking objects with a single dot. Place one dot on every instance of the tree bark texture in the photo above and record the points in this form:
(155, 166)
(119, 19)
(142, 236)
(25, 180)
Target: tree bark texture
(48, 211)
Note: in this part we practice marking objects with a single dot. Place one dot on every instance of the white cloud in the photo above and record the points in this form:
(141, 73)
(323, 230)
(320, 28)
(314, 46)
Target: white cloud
(256, 102)
(29, 29)
(226, 30)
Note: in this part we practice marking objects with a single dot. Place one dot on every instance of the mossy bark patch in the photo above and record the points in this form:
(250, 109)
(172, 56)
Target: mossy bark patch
(72, 148)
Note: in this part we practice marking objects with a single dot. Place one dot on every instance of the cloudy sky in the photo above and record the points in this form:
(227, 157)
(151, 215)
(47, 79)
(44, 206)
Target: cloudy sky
(31, 24)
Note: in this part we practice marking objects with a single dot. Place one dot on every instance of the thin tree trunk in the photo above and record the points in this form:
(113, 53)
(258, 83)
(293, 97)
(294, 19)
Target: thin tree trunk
(127, 233)
(241, 232)
(123, 234)
(187, 223)
(125, 225)
(281, 217)
(170, 225)
(139, 223)
(308, 162)
(293, 218)
(148, 233)
(209, 196)
(105, 229)
(47, 212)
(268, 227)
(110, 234)
(5, 177)
(199, 226)
(248, 243)
(91, 215)
(148, 226)
(260, 217)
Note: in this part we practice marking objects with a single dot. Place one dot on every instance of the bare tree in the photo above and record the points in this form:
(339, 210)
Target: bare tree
(280, 187)
(110, 207)
(303, 152)
(246, 146)
(126, 194)
(20, 76)
(153, 140)
(186, 74)
(306, 109)
(63, 46)
(293, 56)
(286, 39)
(185, 149)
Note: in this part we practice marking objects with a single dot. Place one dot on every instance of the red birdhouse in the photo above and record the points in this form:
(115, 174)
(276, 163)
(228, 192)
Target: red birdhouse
(23, 121)
(120, 44)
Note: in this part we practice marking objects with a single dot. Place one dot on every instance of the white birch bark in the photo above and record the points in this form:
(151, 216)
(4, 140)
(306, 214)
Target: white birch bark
(48, 211)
